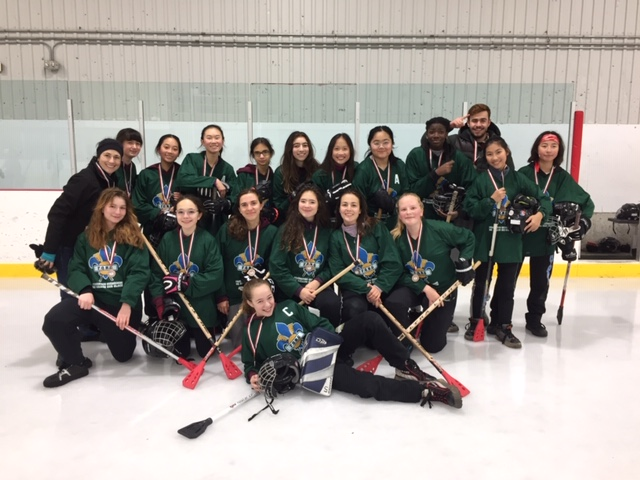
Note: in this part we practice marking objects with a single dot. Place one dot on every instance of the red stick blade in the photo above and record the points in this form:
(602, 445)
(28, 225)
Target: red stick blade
(479, 332)
(188, 364)
(450, 380)
(370, 366)
(231, 370)
(191, 380)
(235, 351)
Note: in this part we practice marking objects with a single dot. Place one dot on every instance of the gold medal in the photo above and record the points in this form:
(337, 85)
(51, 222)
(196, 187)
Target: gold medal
(415, 278)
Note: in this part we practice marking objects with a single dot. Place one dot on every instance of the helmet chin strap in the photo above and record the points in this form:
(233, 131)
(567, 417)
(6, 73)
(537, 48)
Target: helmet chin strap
(269, 405)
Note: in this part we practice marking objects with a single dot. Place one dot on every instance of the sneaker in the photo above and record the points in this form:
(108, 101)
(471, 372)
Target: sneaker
(440, 391)
(491, 329)
(469, 329)
(412, 373)
(538, 330)
(63, 376)
(504, 334)
(64, 364)
(453, 328)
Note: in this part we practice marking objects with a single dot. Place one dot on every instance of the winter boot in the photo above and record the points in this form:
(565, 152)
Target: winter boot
(453, 328)
(63, 376)
(64, 364)
(412, 372)
(533, 324)
(491, 328)
(440, 391)
(504, 334)
(470, 328)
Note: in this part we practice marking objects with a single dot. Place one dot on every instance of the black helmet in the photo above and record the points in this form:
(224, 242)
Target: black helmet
(279, 374)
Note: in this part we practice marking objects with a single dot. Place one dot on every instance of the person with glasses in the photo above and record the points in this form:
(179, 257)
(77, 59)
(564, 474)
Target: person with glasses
(260, 176)
(245, 245)
(192, 257)
(381, 177)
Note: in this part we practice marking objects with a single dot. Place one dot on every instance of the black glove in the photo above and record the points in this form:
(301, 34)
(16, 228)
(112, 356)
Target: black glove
(270, 214)
(42, 266)
(38, 249)
(217, 206)
(264, 189)
(174, 283)
(464, 271)
(568, 253)
(171, 309)
(384, 201)
(584, 227)
(164, 222)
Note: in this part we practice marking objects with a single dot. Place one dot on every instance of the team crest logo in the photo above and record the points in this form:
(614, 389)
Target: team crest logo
(159, 201)
(505, 204)
(421, 267)
(243, 264)
(183, 264)
(290, 337)
(367, 266)
(99, 263)
(310, 266)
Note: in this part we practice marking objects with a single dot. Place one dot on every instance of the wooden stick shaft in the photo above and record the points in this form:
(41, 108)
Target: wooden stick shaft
(452, 203)
(332, 280)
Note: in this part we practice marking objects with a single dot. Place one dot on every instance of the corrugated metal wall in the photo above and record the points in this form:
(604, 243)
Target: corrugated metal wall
(403, 61)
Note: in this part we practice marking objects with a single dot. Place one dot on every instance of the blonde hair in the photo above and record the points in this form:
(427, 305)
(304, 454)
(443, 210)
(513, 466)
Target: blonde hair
(400, 227)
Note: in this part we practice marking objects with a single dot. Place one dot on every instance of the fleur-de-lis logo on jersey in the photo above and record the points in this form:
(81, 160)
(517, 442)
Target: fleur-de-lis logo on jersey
(243, 264)
(290, 337)
(368, 264)
(159, 201)
(183, 264)
(310, 266)
(99, 263)
(505, 204)
(422, 267)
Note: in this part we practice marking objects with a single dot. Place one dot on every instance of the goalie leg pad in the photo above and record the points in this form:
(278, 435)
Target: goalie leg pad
(318, 360)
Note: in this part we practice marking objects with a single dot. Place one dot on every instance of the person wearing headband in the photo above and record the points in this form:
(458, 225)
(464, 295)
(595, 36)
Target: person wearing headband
(544, 169)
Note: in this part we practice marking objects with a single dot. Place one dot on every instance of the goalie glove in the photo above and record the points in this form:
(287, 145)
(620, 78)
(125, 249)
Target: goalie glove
(174, 283)
(568, 253)
(384, 201)
(584, 227)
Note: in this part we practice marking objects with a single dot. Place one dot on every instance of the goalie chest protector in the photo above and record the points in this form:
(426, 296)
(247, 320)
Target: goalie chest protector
(318, 359)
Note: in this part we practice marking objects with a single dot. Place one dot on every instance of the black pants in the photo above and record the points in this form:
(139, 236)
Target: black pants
(62, 322)
(355, 304)
(183, 346)
(502, 304)
(329, 305)
(540, 271)
(369, 328)
(63, 256)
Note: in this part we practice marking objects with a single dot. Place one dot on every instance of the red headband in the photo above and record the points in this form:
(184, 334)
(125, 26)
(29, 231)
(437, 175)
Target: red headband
(550, 138)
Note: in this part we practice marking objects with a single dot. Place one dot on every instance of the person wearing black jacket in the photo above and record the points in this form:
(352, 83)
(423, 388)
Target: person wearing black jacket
(71, 212)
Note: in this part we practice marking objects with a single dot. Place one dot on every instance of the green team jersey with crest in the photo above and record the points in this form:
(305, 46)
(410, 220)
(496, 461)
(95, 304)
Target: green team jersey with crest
(294, 270)
(126, 177)
(283, 332)
(379, 260)
(205, 268)
(196, 174)
(153, 193)
(367, 180)
(433, 264)
(237, 256)
(561, 188)
(423, 182)
(480, 206)
(325, 180)
(246, 179)
(114, 277)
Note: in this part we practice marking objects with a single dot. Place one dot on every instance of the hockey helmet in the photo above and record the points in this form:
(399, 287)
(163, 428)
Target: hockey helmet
(166, 333)
(279, 374)
(628, 212)
(521, 208)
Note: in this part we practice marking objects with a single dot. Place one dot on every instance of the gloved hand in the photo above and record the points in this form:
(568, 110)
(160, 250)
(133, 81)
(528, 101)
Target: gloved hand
(584, 227)
(174, 283)
(464, 271)
(384, 201)
(568, 253)
(264, 189)
(165, 221)
(171, 309)
(217, 206)
(270, 214)
(332, 195)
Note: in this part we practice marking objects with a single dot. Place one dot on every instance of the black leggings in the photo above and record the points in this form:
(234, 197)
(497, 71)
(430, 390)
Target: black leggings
(502, 304)
(369, 328)
(61, 327)
(540, 271)
(183, 346)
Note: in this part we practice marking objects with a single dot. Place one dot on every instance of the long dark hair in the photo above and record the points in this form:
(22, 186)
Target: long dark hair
(364, 223)
(329, 165)
(294, 227)
(534, 153)
(288, 163)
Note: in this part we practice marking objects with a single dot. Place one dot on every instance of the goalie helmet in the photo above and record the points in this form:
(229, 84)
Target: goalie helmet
(443, 198)
(166, 333)
(521, 208)
(279, 374)
(628, 212)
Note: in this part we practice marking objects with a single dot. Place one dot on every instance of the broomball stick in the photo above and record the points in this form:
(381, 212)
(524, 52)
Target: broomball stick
(464, 391)
(231, 370)
(372, 364)
(189, 365)
(332, 280)
(193, 430)
(479, 331)
(559, 312)
(451, 208)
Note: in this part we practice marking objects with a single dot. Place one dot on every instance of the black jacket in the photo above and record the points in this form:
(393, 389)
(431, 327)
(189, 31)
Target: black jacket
(464, 141)
(71, 212)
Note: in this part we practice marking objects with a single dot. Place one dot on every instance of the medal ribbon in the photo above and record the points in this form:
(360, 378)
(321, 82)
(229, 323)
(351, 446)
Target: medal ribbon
(440, 157)
(537, 168)
(254, 343)
(111, 257)
(182, 249)
(205, 164)
(344, 173)
(165, 200)
(358, 246)
(102, 172)
(128, 182)
(256, 175)
(378, 171)
(418, 245)
(310, 253)
(252, 258)
(492, 179)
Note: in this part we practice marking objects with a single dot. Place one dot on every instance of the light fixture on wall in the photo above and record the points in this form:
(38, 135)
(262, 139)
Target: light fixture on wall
(52, 65)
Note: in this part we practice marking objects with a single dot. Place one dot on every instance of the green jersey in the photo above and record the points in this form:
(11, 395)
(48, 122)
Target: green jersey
(153, 192)
(126, 177)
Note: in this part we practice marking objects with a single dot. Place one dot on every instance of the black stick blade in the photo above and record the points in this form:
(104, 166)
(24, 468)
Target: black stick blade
(194, 430)
(559, 315)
